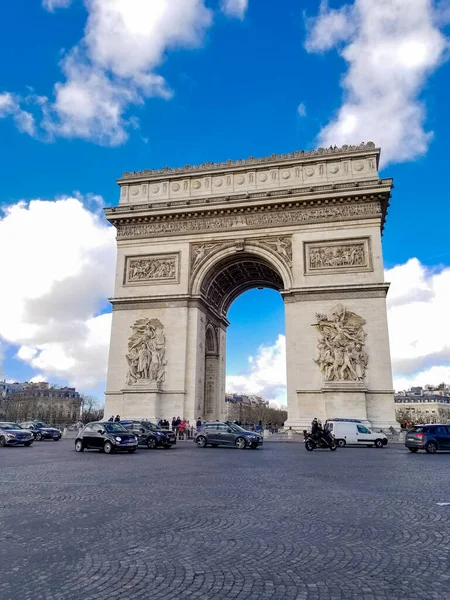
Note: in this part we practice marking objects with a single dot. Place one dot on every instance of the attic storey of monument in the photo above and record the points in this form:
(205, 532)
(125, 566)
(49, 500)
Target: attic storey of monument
(190, 240)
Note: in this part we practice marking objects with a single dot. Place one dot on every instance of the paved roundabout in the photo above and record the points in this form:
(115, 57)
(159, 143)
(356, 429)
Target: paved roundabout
(222, 523)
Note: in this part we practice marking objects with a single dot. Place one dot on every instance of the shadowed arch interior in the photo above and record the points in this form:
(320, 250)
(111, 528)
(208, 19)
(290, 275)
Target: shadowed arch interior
(235, 275)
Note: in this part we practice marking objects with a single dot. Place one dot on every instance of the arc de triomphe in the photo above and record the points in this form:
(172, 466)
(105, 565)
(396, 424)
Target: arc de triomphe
(191, 239)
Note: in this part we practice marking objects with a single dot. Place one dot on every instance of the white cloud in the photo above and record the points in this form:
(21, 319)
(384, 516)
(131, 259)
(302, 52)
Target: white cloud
(113, 67)
(266, 375)
(391, 47)
(59, 268)
(301, 110)
(234, 8)
(419, 325)
(52, 4)
(38, 379)
(10, 106)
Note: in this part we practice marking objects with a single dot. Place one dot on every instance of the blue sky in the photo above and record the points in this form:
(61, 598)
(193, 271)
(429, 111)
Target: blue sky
(212, 81)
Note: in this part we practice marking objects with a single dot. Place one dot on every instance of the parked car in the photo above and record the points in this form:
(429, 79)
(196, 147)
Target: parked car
(12, 434)
(106, 437)
(227, 434)
(430, 438)
(170, 434)
(354, 433)
(42, 431)
(149, 435)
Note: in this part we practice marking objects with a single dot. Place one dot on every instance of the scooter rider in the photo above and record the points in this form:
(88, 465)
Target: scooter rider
(315, 427)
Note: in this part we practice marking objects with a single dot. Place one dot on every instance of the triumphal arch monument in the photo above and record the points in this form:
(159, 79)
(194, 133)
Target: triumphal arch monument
(190, 240)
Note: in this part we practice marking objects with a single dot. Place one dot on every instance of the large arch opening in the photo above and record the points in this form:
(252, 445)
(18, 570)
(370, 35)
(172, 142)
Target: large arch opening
(226, 280)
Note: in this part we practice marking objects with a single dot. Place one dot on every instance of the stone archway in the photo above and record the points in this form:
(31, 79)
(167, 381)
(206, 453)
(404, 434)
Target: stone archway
(190, 240)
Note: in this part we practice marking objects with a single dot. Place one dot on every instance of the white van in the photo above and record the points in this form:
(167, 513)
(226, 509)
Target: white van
(353, 432)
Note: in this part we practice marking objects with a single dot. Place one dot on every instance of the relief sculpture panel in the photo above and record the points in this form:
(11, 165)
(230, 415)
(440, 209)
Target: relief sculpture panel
(157, 268)
(343, 255)
(341, 345)
(146, 352)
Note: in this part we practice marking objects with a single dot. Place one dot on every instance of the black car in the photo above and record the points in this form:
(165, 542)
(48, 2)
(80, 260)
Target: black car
(42, 431)
(12, 434)
(430, 438)
(227, 434)
(149, 434)
(106, 437)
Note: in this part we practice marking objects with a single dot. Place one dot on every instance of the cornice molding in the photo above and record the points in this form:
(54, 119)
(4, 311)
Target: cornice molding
(332, 151)
(344, 292)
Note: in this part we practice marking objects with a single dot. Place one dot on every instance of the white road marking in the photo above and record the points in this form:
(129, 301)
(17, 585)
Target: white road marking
(443, 503)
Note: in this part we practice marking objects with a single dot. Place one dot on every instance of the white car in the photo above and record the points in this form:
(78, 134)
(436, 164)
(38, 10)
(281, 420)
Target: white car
(354, 433)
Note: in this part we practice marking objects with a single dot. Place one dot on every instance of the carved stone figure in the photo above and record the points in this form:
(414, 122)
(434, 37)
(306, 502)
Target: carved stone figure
(200, 251)
(338, 256)
(341, 345)
(151, 269)
(282, 246)
(146, 351)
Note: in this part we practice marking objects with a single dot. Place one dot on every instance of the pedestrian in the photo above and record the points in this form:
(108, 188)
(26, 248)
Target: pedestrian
(117, 419)
(174, 424)
(111, 418)
(198, 423)
(181, 429)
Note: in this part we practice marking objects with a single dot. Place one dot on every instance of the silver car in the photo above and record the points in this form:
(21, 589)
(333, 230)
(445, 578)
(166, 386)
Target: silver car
(12, 434)
(227, 434)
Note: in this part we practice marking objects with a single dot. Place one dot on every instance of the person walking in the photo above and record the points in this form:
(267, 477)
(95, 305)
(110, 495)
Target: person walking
(198, 424)
(174, 424)
(117, 419)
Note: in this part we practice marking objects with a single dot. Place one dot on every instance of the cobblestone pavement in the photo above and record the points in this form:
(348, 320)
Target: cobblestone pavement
(278, 522)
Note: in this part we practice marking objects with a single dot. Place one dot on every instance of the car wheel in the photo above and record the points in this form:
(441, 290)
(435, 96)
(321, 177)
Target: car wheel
(341, 443)
(240, 443)
(39, 436)
(413, 449)
(333, 446)
(2, 442)
(379, 443)
(131, 450)
(108, 448)
(309, 446)
(431, 448)
(79, 446)
(214, 445)
(201, 441)
(151, 443)
(27, 444)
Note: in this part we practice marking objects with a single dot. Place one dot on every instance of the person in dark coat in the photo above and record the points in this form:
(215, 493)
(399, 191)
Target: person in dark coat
(111, 418)
(117, 419)
(198, 423)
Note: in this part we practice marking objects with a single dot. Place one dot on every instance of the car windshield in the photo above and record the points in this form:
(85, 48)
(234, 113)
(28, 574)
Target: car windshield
(40, 424)
(10, 426)
(150, 426)
(234, 427)
(115, 427)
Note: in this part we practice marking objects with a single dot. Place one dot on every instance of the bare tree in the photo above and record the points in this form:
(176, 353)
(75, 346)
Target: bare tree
(91, 410)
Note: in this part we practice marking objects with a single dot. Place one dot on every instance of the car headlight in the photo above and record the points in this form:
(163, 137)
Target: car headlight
(119, 439)
(10, 435)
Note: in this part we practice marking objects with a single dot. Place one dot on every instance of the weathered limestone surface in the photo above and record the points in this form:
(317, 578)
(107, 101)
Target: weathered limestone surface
(191, 240)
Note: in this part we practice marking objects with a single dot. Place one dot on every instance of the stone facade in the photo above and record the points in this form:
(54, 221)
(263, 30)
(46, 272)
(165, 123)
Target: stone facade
(191, 240)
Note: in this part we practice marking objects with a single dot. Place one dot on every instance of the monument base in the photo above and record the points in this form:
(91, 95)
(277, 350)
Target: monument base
(345, 400)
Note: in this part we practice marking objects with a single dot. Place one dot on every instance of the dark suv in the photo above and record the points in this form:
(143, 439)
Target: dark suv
(148, 434)
(106, 437)
(227, 434)
(430, 438)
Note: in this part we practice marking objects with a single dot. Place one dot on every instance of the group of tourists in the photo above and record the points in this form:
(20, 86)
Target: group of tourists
(114, 419)
(182, 427)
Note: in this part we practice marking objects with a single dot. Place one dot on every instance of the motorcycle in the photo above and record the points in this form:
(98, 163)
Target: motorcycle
(323, 440)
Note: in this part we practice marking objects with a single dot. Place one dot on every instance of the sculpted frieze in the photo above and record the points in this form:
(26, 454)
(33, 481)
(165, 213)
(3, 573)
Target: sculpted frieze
(353, 255)
(146, 352)
(157, 268)
(341, 345)
(255, 219)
